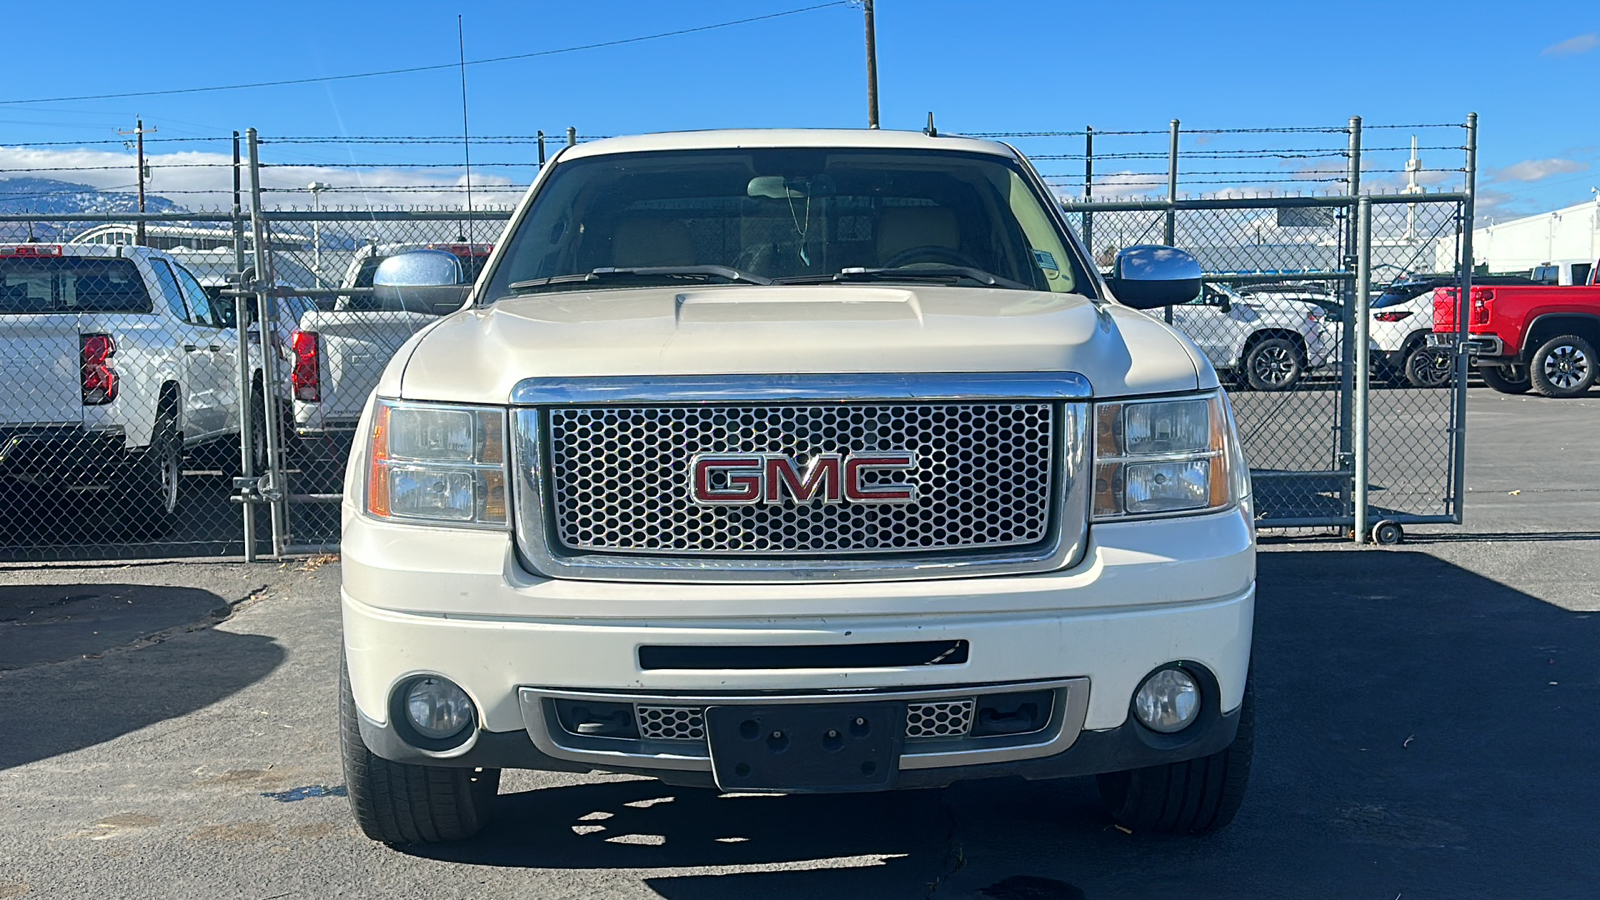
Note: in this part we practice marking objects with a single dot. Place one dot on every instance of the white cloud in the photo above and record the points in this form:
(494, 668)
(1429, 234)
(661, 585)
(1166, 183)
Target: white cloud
(1573, 46)
(1539, 169)
(203, 181)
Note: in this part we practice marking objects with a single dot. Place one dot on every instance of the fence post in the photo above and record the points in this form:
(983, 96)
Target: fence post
(273, 485)
(1363, 370)
(1463, 305)
(1088, 192)
(241, 308)
(572, 136)
(541, 149)
(1346, 450)
(1170, 233)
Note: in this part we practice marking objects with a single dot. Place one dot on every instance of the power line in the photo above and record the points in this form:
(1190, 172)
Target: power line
(430, 68)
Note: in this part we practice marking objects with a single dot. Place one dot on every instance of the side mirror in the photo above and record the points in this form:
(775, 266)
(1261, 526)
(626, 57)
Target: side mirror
(425, 281)
(1225, 303)
(1148, 276)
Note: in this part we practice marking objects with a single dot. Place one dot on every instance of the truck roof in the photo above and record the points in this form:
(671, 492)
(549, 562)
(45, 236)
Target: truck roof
(786, 137)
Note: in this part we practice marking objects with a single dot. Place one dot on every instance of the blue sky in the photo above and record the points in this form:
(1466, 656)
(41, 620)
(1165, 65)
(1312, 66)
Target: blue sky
(1023, 65)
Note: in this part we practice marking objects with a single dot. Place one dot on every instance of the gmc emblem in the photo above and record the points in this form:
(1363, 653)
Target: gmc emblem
(752, 478)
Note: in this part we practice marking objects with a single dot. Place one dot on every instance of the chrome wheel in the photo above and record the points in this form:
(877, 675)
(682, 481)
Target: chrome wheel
(1566, 366)
(1273, 365)
(170, 472)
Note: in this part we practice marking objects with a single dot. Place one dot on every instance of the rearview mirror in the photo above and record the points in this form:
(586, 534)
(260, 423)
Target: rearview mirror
(425, 281)
(1148, 276)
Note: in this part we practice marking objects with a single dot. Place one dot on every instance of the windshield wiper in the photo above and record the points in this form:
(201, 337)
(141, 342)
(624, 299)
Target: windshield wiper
(606, 273)
(923, 272)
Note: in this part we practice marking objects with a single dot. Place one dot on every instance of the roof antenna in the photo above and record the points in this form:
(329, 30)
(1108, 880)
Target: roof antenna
(930, 131)
(466, 143)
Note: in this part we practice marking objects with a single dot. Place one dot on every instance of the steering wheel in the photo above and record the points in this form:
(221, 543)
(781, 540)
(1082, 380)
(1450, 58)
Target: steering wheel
(930, 253)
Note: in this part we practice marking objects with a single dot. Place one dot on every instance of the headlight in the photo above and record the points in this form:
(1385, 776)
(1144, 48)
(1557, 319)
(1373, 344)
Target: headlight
(1161, 457)
(437, 464)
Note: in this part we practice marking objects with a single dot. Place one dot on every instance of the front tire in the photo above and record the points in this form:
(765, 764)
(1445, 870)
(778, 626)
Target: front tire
(1273, 364)
(1198, 796)
(398, 803)
(1509, 379)
(1563, 366)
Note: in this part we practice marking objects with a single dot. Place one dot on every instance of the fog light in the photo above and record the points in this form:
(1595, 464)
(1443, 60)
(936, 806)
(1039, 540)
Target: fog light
(437, 708)
(1167, 701)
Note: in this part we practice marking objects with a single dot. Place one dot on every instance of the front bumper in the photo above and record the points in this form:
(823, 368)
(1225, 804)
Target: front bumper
(458, 604)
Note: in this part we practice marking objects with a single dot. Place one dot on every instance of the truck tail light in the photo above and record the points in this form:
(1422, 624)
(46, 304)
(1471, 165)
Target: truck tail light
(98, 376)
(1482, 308)
(31, 250)
(305, 379)
(1398, 316)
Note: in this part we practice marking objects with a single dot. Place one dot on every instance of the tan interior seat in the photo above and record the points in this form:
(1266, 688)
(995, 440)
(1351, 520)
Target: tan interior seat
(651, 242)
(902, 227)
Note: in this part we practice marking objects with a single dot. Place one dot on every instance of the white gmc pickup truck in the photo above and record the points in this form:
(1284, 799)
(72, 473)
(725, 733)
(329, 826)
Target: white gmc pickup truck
(796, 461)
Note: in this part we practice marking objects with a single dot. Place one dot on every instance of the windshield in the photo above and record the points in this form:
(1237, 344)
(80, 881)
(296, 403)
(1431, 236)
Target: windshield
(791, 214)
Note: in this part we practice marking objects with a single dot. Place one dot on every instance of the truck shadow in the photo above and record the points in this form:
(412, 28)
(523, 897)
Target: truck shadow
(84, 664)
(1420, 729)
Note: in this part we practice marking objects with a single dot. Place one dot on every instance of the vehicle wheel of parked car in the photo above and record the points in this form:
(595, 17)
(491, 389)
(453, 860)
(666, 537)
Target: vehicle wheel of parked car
(1274, 364)
(1428, 367)
(151, 501)
(1506, 379)
(398, 803)
(1563, 366)
(1198, 796)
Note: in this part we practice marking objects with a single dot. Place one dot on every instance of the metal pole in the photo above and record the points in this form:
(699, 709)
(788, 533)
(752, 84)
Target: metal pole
(541, 148)
(872, 66)
(572, 136)
(264, 299)
(1170, 233)
(1463, 306)
(1363, 373)
(1347, 384)
(1088, 192)
(241, 309)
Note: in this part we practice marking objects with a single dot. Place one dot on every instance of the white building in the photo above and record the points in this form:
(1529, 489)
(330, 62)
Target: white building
(1570, 235)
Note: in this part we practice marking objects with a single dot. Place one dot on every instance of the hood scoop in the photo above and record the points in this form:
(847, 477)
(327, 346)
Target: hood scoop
(796, 304)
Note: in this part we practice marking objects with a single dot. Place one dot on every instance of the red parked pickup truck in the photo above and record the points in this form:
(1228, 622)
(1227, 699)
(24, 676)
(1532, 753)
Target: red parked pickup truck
(1527, 336)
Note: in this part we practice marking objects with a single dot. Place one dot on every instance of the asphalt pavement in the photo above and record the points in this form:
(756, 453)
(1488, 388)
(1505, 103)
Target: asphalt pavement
(1425, 729)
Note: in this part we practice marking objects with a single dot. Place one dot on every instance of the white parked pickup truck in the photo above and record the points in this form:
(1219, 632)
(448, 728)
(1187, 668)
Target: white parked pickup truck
(796, 461)
(338, 354)
(112, 362)
(1267, 343)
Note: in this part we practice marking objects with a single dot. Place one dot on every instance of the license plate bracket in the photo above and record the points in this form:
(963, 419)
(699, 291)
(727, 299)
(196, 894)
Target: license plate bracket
(806, 747)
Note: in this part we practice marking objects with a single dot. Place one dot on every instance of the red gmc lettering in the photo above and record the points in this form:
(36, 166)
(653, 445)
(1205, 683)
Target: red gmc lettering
(773, 477)
(823, 472)
(744, 480)
(856, 490)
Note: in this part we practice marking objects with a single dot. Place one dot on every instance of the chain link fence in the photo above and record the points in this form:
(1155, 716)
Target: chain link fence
(147, 405)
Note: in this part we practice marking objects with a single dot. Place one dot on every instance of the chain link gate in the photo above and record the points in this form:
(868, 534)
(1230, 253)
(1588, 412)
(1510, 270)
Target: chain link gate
(343, 336)
(1281, 319)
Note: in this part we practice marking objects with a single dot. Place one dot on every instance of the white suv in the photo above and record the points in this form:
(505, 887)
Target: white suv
(796, 461)
(1268, 342)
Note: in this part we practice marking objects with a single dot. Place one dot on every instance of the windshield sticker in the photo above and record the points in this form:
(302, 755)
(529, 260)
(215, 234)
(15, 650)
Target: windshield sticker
(1046, 260)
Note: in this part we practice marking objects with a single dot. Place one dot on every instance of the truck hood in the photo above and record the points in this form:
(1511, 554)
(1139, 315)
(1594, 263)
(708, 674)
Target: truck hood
(478, 354)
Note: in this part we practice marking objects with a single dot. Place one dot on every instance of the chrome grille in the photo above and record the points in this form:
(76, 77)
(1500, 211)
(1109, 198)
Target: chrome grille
(671, 723)
(618, 477)
(939, 719)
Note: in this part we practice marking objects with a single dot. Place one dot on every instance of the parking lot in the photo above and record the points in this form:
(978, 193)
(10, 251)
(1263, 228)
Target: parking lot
(1424, 731)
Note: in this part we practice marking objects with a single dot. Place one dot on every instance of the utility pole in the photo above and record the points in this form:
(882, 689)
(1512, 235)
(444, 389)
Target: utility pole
(139, 132)
(872, 66)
